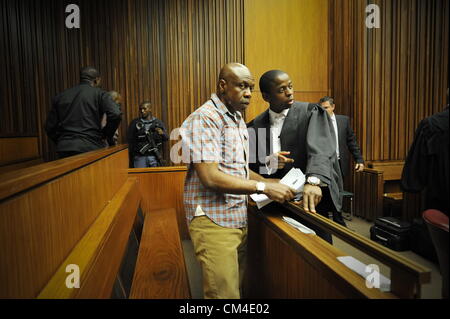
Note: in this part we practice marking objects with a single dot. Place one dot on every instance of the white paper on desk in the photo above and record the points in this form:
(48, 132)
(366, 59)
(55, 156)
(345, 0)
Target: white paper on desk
(298, 225)
(360, 268)
(294, 179)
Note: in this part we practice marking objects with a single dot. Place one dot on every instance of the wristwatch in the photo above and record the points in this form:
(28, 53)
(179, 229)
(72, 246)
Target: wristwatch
(312, 180)
(260, 187)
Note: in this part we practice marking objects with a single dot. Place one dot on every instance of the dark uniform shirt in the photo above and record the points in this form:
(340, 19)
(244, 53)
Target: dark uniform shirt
(74, 122)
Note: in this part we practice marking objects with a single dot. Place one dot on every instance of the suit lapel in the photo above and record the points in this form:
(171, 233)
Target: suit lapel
(290, 124)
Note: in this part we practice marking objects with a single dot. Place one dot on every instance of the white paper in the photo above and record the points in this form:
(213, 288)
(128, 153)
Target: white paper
(298, 225)
(363, 270)
(261, 200)
(294, 179)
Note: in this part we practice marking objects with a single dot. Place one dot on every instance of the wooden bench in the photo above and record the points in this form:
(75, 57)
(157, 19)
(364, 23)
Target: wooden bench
(160, 269)
(83, 219)
(74, 212)
(375, 183)
(100, 252)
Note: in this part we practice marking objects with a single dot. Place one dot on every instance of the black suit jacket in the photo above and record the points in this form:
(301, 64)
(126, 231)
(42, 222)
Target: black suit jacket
(74, 121)
(347, 144)
(309, 135)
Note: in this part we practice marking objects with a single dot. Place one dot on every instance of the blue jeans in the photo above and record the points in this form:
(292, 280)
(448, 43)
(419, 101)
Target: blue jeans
(145, 161)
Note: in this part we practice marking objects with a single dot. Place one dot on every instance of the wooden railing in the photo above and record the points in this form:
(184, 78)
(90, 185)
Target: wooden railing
(286, 263)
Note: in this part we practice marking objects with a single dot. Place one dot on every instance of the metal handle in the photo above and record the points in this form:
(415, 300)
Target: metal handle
(382, 238)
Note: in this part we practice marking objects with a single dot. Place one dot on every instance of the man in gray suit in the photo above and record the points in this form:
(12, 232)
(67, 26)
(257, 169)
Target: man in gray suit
(296, 134)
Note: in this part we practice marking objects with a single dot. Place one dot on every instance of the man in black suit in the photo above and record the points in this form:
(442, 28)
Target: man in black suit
(346, 143)
(346, 138)
(74, 122)
(296, 134)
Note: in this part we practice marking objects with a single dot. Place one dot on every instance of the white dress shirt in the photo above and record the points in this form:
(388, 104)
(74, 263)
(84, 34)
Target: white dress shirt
(333, 119)
(276, 124)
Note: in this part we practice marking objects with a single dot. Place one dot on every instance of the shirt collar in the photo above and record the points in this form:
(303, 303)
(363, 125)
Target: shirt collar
(223, 109)
(282, 114)
(333, 117)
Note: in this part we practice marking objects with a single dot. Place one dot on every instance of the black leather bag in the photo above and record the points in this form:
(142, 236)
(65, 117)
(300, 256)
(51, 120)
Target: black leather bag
(392, 233)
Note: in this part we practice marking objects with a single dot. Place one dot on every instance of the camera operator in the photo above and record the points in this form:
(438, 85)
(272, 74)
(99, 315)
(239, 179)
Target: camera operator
(145, 137)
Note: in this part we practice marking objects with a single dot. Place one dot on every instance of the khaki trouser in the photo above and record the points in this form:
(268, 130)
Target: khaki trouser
(222, 254)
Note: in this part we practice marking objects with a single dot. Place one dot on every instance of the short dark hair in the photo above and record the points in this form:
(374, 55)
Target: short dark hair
(327, 99)
(89, 73)
(145, 103)
(265, 82)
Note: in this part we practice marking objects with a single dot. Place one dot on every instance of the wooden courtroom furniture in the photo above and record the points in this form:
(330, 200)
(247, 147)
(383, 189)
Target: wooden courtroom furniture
(161, 188)
(378, 181)
(63, 211)
(75, 211)
(18, 152)
(160, 269)
(286, 263)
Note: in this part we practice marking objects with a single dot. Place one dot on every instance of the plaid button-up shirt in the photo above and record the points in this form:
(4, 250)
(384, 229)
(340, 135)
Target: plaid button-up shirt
(215, 135)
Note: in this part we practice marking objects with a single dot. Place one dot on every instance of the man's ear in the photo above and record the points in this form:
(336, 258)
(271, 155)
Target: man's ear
(222, 86)
(265, 97)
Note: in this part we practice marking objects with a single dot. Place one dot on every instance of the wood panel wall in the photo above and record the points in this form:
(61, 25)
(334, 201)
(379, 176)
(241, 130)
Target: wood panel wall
(290, 35)
(388, 79)
(168, 52)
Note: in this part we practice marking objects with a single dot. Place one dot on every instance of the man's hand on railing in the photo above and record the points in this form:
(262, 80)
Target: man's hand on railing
(311, 197)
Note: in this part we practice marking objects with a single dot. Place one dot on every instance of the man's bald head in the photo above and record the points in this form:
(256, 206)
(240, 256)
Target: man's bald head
(231, 69)
(235, 86)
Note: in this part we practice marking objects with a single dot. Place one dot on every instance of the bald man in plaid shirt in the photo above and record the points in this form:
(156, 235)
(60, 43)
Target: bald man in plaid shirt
(216, 146)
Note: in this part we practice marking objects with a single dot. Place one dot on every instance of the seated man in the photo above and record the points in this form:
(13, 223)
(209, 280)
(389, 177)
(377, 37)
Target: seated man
(145, 137)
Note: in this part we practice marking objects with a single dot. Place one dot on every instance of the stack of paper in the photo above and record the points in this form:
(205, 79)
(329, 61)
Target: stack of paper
(364, 271)
(298, 225)
(294, 179)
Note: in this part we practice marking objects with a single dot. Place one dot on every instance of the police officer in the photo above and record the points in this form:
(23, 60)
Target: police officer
(145, 137)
